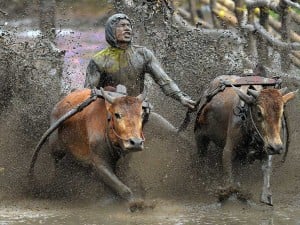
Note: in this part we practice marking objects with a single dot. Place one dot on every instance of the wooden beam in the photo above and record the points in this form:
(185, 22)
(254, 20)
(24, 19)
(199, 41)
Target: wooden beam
(292, 4)
(276, 26)
(274, 41)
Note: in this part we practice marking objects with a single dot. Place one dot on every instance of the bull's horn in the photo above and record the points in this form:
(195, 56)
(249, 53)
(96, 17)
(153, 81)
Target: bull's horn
(283, 90)
(289, 96)
(253, 92)
(246, 98)
(143, 95)
(106, 96)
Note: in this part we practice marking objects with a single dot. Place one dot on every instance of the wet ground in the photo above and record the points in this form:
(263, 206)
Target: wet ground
(166, 212)
(181, 195)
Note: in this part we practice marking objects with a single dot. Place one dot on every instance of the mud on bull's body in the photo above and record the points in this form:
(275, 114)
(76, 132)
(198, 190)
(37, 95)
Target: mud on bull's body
(244, 122)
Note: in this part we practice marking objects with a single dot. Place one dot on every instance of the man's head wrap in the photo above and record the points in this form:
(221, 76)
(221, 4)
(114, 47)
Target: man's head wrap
(110, 28)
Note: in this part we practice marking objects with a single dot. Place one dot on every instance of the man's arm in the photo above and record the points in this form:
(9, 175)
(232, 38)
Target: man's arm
(168, 86)
(93, 75)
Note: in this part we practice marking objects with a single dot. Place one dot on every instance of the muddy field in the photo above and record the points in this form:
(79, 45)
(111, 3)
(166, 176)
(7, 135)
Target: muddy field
(170, 176)
(168, 173)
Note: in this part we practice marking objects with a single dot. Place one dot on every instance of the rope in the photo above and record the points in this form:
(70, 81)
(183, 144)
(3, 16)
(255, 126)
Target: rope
(256, 129)
(286, 137)
(208, 96)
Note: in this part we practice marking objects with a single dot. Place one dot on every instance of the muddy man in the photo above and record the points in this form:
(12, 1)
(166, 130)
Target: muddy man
(124, 63)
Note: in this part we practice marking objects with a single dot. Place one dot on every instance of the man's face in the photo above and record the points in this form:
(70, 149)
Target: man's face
(123, 31)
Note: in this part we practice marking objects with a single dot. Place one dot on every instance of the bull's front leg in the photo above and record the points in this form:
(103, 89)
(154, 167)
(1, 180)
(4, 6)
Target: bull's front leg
(109, 178)
(228, 189)
(266, 195)
(232, 140)
(227, 163)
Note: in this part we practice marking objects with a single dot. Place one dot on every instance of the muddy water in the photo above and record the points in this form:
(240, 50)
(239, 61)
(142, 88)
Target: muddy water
(166, 212)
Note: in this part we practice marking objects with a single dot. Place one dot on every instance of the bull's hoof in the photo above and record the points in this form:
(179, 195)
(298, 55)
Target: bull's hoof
(140, 205)
(243, 196)
(225, 193)
(267, 199)
(136, 205)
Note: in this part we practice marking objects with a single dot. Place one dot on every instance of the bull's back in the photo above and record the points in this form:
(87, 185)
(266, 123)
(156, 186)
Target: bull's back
(77, 132)
(214, 118)
(69, 102)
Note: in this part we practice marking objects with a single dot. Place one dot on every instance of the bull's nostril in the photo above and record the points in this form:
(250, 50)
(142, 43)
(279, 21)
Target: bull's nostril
(280, 149)
(131, 142)
(275, 149)
(136, 142)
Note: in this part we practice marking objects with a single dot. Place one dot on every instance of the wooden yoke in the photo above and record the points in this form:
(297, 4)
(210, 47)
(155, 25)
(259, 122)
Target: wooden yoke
(254, 80)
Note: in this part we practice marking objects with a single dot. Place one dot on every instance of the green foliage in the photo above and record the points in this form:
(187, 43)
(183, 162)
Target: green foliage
(273, 14)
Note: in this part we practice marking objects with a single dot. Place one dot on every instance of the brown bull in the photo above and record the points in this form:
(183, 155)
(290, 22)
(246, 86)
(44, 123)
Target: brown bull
(245, 124)
(98, 135)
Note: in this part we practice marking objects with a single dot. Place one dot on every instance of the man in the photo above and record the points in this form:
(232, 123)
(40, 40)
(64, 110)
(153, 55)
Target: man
(127, 64)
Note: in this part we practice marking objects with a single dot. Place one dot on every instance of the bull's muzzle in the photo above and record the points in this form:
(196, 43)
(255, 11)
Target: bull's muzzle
(134, 144)
(273, 149)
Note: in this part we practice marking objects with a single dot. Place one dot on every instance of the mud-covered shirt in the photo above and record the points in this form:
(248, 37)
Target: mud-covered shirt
(113, 66)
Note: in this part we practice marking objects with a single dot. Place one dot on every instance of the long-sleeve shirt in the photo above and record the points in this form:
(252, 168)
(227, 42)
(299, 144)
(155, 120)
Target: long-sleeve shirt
(113, 66)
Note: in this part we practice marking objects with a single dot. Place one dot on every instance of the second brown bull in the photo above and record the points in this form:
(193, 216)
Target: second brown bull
(245, 124)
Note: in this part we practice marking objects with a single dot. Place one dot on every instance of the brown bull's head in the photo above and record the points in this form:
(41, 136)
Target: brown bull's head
(126, 117)
(266, 111)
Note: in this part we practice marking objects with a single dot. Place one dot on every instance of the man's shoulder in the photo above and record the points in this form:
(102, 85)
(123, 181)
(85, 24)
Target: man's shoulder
(141, 49)
(102, 53)
(138, 46)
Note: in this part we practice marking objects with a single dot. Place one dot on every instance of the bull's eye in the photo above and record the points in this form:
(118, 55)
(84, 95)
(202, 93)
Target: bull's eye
(259, 115)
(118, 115)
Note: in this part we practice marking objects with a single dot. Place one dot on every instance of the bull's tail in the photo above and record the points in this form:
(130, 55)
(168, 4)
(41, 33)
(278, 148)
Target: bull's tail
(40, 144)
(53, 127)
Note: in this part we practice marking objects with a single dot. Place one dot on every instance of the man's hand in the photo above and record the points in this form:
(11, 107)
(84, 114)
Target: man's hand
(188, 102)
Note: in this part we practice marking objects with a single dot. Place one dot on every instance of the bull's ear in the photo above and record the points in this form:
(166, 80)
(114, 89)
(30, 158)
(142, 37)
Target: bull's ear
(289, 96)
(246, 98)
